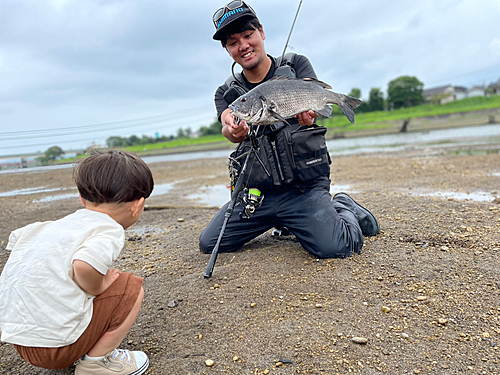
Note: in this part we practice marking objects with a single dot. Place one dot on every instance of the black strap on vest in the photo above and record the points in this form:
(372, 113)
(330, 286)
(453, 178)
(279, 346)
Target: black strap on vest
(281, 61)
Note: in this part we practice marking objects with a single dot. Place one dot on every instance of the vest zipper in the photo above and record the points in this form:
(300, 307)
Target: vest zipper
(273, 143)
(289, 150)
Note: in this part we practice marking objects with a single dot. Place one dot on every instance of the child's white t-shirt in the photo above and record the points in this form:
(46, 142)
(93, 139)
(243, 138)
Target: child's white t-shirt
(40, 303)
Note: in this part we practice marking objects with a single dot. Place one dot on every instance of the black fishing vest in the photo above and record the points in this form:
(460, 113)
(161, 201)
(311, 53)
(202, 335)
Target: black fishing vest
(285, 154)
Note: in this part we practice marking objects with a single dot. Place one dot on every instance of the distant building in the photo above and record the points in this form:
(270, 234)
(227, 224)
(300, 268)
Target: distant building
(476, 91)
(494, 88)
(445, 94)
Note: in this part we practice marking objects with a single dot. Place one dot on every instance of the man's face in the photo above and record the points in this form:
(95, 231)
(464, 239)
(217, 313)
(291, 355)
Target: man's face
(247, 48)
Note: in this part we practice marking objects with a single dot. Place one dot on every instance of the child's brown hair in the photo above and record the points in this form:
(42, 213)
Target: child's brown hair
(110, 176)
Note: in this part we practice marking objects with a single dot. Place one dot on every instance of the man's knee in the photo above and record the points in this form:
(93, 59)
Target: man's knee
(205, 246)
(208, 240)
(340, 248)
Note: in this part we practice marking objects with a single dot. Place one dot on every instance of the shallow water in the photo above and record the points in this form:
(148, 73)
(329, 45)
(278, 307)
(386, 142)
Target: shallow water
(472, 135)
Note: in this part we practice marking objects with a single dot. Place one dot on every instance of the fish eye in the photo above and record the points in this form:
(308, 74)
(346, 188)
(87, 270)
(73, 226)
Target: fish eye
(243, 100)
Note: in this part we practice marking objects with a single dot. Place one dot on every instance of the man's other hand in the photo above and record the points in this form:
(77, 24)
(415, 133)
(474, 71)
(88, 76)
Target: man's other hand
(307, 118)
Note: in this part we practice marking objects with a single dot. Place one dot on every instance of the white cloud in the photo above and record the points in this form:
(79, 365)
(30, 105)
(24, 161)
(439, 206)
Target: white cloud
(494, 47)
(65, 63)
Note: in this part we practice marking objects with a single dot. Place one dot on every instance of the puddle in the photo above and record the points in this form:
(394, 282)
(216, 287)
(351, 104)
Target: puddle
(49, 198)
(477, 196)
(29, 191)
(219, 195)
(334, 189)
(475, 152)
(36, 169)
(53, 198)
(162, 189)
(158, 190)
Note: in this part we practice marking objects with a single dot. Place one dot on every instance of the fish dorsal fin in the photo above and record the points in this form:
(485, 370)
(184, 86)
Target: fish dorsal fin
(281, 78)
(312, 80)
(318, 82)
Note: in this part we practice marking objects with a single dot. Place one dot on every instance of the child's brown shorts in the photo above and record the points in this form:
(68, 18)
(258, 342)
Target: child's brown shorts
(111, 308)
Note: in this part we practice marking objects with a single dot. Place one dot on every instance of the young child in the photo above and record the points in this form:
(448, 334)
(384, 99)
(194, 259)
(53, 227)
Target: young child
(60, 301)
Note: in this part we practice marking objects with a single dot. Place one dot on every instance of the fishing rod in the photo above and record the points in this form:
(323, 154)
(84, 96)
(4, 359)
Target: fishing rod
(289, 35)
(251, 204)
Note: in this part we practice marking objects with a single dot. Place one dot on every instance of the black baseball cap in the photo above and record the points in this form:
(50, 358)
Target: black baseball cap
(229, 13)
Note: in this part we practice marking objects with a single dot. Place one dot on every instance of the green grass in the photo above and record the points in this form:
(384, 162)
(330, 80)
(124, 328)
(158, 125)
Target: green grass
(369, 120)
(177, 143)
(141, 149)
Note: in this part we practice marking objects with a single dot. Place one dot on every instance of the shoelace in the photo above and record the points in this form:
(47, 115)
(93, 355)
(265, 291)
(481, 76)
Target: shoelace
(124, 354)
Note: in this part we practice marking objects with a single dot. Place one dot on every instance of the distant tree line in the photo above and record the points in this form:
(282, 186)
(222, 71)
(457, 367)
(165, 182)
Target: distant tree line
(404, 91)
(133, 140)
(214, 128)
(51, 154)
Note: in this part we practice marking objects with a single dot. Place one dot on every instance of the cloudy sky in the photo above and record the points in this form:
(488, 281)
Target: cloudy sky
(74, 72)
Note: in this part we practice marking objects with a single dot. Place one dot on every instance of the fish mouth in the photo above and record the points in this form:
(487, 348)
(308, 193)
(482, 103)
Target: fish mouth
(239, 115)
(235, 112)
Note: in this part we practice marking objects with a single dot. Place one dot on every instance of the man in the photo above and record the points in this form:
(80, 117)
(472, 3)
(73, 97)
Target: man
(293, 201)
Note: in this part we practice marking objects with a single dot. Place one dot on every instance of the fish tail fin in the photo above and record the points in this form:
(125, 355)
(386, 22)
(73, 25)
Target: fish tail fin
(347, 105)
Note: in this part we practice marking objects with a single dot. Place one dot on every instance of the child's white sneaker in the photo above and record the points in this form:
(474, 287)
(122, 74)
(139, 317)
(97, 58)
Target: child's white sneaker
(116, 362)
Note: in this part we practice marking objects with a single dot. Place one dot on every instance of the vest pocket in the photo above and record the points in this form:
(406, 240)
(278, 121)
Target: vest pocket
(310, 154)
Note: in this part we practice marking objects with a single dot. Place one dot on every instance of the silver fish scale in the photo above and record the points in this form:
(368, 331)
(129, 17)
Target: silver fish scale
(299, 101)
(293, 97)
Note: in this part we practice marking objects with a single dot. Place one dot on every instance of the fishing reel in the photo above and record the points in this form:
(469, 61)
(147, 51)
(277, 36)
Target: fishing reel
(252, 199)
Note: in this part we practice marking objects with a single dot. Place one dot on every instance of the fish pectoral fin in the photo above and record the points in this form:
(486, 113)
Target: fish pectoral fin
(276, 115)
(325, 112)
